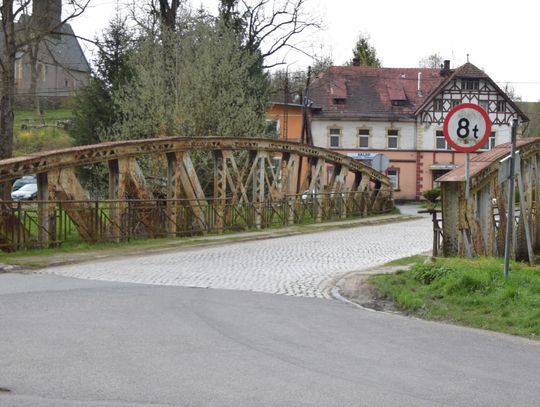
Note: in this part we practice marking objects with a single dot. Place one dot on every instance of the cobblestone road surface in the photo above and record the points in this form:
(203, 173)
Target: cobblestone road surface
(299, 265)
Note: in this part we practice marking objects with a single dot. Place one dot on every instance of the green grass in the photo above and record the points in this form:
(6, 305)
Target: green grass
(469, 292)
(34, 139)
(50, 116)
(405, 261)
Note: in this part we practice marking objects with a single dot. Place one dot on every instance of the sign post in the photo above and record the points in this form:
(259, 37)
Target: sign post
(467, 128)
(511, 199)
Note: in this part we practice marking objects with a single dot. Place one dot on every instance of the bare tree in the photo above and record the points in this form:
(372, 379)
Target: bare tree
(273, 26)
(431, 61)
(168, 12)
(11, 42)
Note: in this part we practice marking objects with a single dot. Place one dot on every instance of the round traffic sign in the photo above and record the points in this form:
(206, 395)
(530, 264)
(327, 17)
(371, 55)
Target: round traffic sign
(467, 127)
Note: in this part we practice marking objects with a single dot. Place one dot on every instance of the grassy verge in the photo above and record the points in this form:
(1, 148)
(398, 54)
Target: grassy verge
(34, 133)
(469, 292)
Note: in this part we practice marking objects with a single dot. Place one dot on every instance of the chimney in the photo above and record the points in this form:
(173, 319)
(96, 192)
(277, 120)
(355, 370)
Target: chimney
(356, 62)
(46, 14)
(445, 71)
(419, 89)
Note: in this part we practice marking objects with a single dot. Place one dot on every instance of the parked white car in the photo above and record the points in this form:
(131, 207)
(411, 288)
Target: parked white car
(25, 193)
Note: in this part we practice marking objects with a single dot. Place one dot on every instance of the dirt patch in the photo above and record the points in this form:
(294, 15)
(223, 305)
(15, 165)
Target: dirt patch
(355, 287)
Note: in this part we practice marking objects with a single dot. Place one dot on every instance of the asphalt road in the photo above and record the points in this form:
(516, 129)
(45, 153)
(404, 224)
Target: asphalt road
(68, 342)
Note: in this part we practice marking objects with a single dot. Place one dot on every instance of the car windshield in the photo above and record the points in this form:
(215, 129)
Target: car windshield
(28, 188)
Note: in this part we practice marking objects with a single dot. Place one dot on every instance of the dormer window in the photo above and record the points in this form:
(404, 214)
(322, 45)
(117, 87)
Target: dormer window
(470, 84)
(339, 101)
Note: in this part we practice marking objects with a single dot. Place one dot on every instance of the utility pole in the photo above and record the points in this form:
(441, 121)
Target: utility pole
(286, 106)
(306, 137)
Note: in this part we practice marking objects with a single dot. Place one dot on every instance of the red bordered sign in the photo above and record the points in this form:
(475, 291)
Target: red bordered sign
(467, 127)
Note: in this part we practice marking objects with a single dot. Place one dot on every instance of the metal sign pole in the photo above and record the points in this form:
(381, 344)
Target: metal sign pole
(510, 217)
(467, 175)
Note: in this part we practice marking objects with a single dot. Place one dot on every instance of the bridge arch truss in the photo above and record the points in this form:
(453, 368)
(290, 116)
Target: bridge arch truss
(255, 183)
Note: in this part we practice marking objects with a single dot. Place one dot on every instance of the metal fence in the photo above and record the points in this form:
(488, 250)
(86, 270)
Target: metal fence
(25, 225)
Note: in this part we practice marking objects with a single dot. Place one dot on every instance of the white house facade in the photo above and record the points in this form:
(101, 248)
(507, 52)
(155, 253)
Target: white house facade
(400, 113)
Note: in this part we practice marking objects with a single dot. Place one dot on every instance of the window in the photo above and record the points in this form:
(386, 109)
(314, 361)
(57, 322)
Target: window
(335, 136)
(41, 72)
(438, 105)
(440, 141)
(399, 102)
(470, 84)
(484, 104)
(393, 176)
(272, 128)
(490, 143)
(501, 106)
(392, 136)
(455, 103)
(363, 138)
(339, 101)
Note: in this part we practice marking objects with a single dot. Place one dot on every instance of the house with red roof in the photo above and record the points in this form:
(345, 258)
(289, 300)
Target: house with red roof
(399, 112)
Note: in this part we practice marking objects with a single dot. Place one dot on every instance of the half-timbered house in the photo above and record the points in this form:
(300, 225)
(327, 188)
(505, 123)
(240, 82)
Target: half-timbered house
(400, 113)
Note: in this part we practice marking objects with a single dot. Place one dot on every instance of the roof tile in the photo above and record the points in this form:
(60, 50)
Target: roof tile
(370, 91)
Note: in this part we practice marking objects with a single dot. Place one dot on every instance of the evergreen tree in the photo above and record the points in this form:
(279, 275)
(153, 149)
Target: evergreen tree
(364, 54)
(95, 112)
(214, 88)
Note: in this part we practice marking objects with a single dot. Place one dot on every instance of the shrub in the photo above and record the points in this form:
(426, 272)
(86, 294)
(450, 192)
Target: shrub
(432, 195)
(428, 273)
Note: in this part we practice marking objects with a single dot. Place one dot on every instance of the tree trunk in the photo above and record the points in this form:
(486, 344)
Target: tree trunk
(34, 76)
(7, 87)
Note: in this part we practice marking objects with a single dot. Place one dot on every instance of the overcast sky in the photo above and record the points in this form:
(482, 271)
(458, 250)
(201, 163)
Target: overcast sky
(500, 36)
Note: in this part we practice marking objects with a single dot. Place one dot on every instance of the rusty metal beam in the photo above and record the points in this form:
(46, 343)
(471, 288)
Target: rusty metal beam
(75, 202)
(174, 193)
(42, 162)
(220, 191)
(193, 190)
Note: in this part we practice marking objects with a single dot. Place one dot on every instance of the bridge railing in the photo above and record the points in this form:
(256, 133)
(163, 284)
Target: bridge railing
(22, 225)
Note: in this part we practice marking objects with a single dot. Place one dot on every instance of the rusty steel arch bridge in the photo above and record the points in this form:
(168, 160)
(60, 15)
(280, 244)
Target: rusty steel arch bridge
(257, 183)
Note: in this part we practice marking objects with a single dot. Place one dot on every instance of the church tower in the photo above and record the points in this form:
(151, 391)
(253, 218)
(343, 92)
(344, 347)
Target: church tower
(46, 14)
